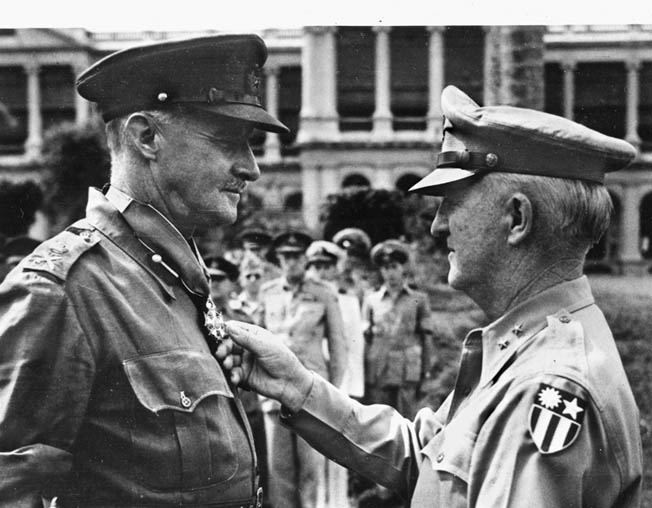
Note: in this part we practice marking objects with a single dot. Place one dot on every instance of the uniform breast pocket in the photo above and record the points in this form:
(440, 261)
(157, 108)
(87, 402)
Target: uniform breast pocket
(184, 429)
(450, 452)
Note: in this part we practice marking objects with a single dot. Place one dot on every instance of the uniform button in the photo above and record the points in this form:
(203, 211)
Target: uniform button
(185, 400)
(565, 319)
(440, 457)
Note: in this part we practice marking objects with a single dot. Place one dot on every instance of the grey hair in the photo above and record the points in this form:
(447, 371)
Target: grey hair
(573, 213)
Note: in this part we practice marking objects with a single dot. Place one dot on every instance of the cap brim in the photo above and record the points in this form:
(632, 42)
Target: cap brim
(281, 250)
(249, 113)
(434, 184)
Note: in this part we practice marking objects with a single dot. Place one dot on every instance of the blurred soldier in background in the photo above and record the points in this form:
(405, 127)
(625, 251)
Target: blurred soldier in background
(357, 271)
(252, 270)
(304, 312)
(398, 332)
(256, 242)
(324, 262)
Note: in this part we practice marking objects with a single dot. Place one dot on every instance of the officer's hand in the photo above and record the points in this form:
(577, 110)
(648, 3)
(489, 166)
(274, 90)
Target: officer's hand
(268, 366)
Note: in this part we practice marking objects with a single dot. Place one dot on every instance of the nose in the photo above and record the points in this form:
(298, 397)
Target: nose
(439, 226)
(245, 166)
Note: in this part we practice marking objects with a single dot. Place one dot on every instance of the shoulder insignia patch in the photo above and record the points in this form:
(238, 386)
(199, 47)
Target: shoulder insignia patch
(57, 255)
(555, 418)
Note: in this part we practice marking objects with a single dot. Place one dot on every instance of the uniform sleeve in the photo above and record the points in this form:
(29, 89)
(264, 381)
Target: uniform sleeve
(337, 343)
(545, 445)
(46, 372)
(375, 441)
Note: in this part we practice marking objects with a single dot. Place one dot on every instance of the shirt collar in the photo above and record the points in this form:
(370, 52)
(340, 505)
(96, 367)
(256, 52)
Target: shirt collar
(157, 235)
(384, 290)
(502, 338)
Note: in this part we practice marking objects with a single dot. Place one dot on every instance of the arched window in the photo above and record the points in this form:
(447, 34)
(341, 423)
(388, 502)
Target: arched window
(645, 215)
(293, 202)
(406, 181)
(355, 180)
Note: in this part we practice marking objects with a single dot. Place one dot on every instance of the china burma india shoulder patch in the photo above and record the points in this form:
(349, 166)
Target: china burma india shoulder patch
(555, 418)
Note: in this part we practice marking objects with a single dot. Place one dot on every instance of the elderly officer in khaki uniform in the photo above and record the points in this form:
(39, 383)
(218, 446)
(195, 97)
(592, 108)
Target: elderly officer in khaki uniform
(110, 395)
(542, 414)
(304, 312)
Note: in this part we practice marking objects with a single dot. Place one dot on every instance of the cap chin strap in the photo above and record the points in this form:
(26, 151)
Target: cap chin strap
(471, 161)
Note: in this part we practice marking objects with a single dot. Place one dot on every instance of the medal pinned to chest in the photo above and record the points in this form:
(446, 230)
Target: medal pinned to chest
(214, 323)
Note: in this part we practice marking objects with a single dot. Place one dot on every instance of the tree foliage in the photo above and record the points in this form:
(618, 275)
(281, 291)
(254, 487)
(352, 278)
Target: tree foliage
(75, 157)
(378, 212)
(19, 202)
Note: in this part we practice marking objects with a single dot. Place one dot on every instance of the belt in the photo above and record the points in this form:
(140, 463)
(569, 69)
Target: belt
(252, 502)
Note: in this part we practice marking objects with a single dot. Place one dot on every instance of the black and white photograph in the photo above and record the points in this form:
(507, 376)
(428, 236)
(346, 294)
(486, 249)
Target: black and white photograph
(341, 255)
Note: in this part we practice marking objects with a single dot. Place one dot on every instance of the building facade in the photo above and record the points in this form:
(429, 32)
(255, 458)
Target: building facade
(362, 104)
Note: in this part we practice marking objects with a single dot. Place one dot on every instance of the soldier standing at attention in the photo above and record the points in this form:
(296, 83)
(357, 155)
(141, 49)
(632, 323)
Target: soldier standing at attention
(542, 414)
(398, 331)
(305, 313)
(110, 395)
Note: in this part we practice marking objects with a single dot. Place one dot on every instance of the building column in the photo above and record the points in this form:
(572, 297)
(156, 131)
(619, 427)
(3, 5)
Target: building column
(630, 229)
(310, 175)
(272, 140)
(569, 88)
(633, 85)
(382, 115)
(435, 81)
(82, 106)
(34, 140)
(319, 119)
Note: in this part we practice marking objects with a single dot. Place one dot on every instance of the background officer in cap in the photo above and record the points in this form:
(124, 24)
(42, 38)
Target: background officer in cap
(324, 260)
(357, 271)
(542, 414)
(305, 313)
(109, 391)
(398, 332)
(257, 242)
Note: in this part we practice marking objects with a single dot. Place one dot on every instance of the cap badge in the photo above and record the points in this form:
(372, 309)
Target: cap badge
(252, 83)
(491, 160)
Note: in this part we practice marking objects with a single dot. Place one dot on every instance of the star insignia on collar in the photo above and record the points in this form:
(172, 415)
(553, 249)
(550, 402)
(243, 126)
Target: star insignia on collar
(503, 343)
(518, 329)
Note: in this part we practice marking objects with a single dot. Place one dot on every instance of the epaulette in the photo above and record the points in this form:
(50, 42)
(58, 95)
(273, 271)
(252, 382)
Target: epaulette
(57, 255)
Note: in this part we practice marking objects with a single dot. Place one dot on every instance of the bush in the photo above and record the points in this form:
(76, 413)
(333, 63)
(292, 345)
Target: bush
(19, 202)
(75, 157)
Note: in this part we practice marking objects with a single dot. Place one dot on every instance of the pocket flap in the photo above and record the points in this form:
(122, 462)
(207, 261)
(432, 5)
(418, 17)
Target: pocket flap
(450, 452)
(178, 379)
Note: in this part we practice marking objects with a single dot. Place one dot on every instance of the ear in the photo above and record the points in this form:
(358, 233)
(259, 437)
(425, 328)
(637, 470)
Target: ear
(141, 130)
(519, 218)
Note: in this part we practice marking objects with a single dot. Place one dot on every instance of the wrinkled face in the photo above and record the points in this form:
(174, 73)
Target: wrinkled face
(202, 167)
(293, 264)
(470, 217)
(393, 273)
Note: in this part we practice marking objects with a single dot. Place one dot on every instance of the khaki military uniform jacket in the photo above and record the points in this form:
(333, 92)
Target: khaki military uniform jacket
(304, 316)
(109, 394)
(542, 416)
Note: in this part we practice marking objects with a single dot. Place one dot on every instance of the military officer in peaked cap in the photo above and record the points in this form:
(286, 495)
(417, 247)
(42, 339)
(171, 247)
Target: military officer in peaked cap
(542, 414)
(109, 391)
(258, 242)
(305, 313)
